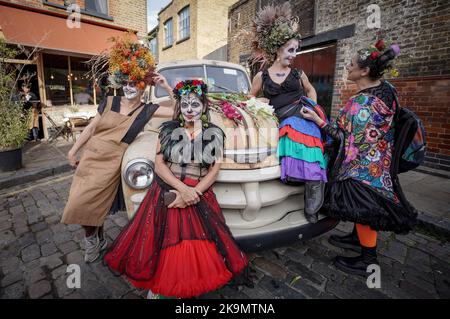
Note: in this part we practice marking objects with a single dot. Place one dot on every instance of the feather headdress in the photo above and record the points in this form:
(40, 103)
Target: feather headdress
(273, 27)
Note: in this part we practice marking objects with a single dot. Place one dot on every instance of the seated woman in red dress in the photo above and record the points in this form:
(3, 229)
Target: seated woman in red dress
(183, 248)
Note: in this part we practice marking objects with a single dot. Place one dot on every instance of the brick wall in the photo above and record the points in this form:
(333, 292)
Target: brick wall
(241, 16)
(422, 30)
(130, 14)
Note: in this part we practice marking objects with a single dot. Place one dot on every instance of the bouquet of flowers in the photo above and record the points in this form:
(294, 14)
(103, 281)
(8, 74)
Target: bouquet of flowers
(231, 106)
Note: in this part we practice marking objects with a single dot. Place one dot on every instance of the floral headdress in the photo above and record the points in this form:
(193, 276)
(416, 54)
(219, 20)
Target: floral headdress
(126, 61)
(185, 87)
(381, 47)
(272, 28)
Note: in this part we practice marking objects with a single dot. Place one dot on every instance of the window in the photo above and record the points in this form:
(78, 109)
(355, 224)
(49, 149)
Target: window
(56, 74)
(175, 75)
(183, 23)
(154, 46)
(168, 36)
(219, 79)
(62, 80)
(97, 6)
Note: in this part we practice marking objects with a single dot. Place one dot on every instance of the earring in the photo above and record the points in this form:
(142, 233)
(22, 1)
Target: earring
(204, 119)
(181, 119)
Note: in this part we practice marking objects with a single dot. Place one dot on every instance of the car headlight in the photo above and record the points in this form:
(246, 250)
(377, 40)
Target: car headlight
(138, 173)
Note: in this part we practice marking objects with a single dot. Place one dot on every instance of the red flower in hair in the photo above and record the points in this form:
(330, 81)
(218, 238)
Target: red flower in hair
(380, 45)
(179, 85)
(196, 82)
(374, 55)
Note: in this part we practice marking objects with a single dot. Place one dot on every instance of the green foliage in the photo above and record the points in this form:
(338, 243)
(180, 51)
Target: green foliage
(13, 119)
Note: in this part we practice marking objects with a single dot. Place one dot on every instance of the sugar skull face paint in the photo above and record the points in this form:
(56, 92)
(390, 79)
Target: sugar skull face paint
(288, 52)
(130, 90)
(191, 107)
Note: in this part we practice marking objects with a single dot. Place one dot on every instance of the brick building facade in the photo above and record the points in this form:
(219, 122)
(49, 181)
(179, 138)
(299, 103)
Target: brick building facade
(61, 83)
(422, 30)
(206, 37)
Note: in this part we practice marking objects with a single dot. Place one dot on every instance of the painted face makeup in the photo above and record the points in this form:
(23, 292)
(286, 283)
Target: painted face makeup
(288, 53)
(191, 107)
(130, 91)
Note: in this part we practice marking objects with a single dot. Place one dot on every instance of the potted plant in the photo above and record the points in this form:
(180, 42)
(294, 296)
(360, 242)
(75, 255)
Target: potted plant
(13, 119)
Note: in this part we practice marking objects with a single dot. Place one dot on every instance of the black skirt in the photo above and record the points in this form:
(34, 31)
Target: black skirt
(351, 200)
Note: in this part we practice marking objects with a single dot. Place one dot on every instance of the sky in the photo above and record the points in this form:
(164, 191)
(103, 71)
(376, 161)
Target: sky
(153, 7)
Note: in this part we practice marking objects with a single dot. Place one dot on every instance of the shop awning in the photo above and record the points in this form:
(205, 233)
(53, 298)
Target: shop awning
(46, 31)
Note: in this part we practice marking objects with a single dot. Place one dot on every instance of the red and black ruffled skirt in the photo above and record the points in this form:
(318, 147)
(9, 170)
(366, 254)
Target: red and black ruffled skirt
(177, 252)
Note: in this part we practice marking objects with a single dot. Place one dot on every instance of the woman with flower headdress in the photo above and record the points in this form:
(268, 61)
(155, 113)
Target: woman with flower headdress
(363, 186)
(300, 146)
(177, 244)
(95, 188)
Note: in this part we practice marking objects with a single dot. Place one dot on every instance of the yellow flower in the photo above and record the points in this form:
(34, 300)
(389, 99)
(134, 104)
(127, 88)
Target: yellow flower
(394, 73)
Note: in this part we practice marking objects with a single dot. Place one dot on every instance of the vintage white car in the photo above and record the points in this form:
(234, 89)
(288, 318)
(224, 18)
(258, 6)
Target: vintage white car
(259, 209)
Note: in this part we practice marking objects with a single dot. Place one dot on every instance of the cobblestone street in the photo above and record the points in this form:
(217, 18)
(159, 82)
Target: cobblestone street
(35, 250)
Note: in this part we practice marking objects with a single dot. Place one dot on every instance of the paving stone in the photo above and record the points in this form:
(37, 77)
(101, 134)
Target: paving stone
(48, 249)
(5, 226)
(62, 237)
(10, 264)
(113, 233)
(75, 257)
(6, 237)
(52, 261)
(27, 240)
(15, 291)
(11, 278)
(415, 291)
(299, 257)
(44, 236)
(16, 209)
(58, 228)
(38, 227)
(396, 251)
(31, 253)
(300, 269)
(68, 247)
(279, 289)
(39, 289)
(34, 275)
(269, 268)
(59, 271)
(20, 231)
(303, 287)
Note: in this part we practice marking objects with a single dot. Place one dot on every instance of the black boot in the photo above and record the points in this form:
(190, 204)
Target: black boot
(358, 265)
(314, 196)
(349, 241)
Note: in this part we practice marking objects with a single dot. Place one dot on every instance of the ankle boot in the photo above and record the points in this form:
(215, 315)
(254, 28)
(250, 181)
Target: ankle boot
(349, 241)
(358, 265)
(314, 196)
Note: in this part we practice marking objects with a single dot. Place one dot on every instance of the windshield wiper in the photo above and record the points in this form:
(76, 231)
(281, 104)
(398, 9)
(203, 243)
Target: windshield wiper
(223, 88)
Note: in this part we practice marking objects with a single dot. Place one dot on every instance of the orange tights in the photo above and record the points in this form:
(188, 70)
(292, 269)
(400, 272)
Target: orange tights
(367, 236)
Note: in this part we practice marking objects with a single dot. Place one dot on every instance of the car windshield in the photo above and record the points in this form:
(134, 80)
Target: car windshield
(219, 79)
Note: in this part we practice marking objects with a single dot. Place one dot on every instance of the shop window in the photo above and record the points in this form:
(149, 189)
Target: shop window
(82, 83)
(56, 76)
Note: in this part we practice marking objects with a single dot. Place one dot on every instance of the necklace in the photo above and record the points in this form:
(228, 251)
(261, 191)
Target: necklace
(280, 74)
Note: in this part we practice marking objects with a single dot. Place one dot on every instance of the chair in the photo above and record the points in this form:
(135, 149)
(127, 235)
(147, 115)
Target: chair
(77, 125)
(58, 130)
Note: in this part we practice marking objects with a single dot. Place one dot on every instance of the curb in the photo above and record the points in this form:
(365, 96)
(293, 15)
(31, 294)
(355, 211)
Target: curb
(32, 176)
(433, 225)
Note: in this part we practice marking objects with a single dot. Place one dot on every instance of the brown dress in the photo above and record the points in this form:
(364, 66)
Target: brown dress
(97, 176)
